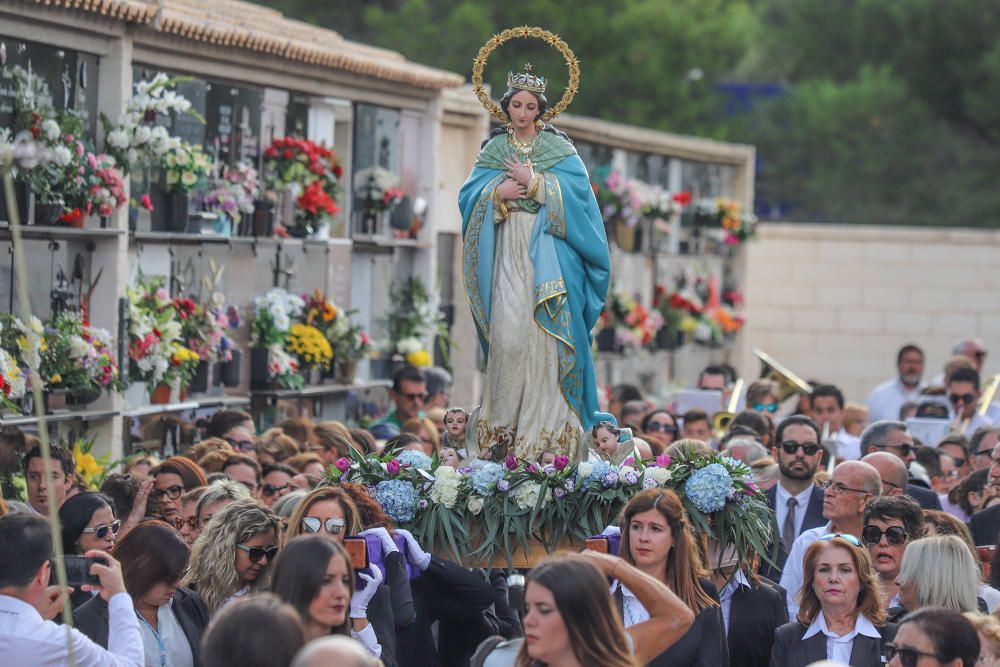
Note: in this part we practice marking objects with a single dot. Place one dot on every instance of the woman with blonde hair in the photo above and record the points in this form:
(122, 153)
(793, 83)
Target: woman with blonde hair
(331, 440)
(423, 428)
(232, 555)
(840, 611)
(658, 540)
(274, 446)
(938, 572)
(988, 629)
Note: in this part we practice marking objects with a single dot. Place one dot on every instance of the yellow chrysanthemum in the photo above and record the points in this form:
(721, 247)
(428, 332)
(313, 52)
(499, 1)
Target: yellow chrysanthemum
(55, 379)
(420, 358)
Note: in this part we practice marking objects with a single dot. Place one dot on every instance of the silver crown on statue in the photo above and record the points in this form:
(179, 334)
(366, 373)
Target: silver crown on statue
(526, 80)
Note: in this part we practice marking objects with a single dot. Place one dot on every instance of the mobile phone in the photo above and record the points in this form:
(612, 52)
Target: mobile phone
(78, 571)
(357, 549)
(597, 544)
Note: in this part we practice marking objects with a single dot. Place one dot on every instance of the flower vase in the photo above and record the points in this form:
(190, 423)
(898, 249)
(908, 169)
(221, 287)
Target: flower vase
(48, 211)
(176, 213)
(260, 377)
(262, 223)
(75, 218)
(137, 395)
(22, 194)
(83, 397)
(55, 400)
(381, 368)
(669, 339)
(199, 382)
(346, 371)
(297, 231)
(230, 373)
(161, 395)
(606, 340)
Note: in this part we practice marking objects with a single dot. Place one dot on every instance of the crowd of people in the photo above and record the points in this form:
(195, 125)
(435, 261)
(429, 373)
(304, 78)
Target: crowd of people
(240, 551)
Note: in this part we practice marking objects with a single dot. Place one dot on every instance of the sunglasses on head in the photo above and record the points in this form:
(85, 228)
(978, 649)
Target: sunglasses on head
(653, 427)
(765, 407)
(894, 535)
(908, 657)
(255, 554)
(172, 492)
(808, 448)
(102, 530)
(312, 524)
(241, 445)
(844, 536)
(270, 489)
(180, 522)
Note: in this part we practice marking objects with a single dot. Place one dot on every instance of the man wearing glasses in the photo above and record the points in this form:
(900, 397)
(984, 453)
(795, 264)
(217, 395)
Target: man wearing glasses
(892, 437)
(981, 445)
(850, 488)
(408, 393)
(963, 396)
(797, 502)
(985, 524)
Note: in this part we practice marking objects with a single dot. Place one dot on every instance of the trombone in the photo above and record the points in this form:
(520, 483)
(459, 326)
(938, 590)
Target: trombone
(722, 419)
(788, 382)
(989, 393)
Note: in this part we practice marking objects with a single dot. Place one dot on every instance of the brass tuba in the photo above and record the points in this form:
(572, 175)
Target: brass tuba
(788, 382)
(722, 418)
(989, 393)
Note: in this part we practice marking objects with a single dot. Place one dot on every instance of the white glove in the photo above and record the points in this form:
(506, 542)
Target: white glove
(612, 531)
(418, 556)
(364, 594)
(388, 546)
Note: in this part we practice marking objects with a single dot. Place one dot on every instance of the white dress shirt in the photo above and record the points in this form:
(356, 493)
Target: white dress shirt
(887, 398)
(791, 576)
(848, 446)
(838, 649)
(633, 612)
(781, 507)
(28, 639)
(726, 595)
(167, 645)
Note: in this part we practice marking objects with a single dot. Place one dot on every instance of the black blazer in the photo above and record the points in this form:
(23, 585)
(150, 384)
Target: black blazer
(456, 597)
(790, 650)
(755, 613)
(92, 619)
(703, 645)
(924, 497)
(985, 525)
(814, 517)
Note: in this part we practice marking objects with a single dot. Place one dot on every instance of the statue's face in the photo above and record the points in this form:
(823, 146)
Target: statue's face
(523, 110)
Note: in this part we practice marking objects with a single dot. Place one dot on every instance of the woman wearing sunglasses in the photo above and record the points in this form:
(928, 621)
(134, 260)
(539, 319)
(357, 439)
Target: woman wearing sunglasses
(840, 615)
(891, 523)
(233, 554)
(934, 637)
(314, 575)
(660, 428)
(88, 522)
(172, 619)
(329, 512)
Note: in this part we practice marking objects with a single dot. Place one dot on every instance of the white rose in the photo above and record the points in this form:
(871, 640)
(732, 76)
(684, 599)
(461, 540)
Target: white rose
(142, 134)
(475, 505)
(78, 347)
(117, 139)
(660, 475)
(51, 130)
(584, 469)
(61, 156)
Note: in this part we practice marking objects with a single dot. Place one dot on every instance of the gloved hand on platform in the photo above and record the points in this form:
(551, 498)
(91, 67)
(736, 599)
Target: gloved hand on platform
(612, 531)
(364, 593)
(388, 546)
(417, 555)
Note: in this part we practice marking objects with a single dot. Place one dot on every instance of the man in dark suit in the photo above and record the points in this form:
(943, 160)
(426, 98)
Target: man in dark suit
(756, 609)
(798, 453)
(985, 525)
(892, 437)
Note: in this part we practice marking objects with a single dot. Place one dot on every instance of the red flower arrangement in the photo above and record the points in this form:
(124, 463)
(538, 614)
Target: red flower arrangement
(315, 200)
(309, 168)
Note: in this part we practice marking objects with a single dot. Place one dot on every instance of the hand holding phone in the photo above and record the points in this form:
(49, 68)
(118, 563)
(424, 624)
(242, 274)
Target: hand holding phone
(599, 544)
(108, 573)
(357, 549)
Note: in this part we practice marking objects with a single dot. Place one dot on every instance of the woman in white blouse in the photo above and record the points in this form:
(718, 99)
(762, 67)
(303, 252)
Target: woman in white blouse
(840, 615)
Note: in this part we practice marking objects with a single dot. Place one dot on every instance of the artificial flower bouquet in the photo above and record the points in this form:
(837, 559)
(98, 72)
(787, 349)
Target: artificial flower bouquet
(496, 509)
(185, 166)
(232, 195)
(21, 348)
(414, 317)
(78, 358)
(634, 325)
(735, 225)
(619, 198)
(348, 341)
(378, 189)
(154, 334)
(311, 173)
(270, 329)
(309, 346)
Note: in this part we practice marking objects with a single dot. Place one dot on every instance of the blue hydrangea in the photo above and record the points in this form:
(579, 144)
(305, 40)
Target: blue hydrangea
(708, 487)
(414, 459)
(398, 498)
(598, 469)
(484, 480)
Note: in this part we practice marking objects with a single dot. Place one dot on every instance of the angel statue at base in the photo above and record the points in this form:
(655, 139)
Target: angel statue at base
(536, 269)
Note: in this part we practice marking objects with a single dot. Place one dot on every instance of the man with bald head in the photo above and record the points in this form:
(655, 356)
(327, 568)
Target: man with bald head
(892, 471)
(892, 437)
(334, 650)
(850, 488)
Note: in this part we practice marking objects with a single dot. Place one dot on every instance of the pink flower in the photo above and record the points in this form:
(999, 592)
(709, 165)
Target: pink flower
(343, 464)
(629, 461)
(145, 202)
(663, 460)
(561, 462)
(92, 161)
(752, 489)
(162, 294)
(510, 462)
(392, 467)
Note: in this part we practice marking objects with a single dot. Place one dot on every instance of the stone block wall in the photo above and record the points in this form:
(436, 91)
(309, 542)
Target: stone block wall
(835, 302)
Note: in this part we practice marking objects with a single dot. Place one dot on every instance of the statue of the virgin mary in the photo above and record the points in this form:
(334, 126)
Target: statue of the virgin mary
(536, 271)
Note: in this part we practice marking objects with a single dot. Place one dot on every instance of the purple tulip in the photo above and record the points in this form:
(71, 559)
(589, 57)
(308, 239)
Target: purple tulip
(343, 464)
(392, 467)
(561, 462)
(663, 460)
(511, 463)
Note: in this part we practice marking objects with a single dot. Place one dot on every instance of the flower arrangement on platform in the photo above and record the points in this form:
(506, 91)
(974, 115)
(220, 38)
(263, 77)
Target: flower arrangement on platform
(185, 167)
(618, 198)
(378, 189)
(206, 326)
(78, 357)
(23, 346)
(107, 185)
(498, 508)
(234, 193)
(348, 340)
(414, 317)
(13, 382)
(311, 172)
(154, 333)
(737, 226)
(271, 324)
(634, 325)
(309, 345)
(93, 469)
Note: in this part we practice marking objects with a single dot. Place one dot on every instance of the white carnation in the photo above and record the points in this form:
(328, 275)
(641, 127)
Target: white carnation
(475, 505)
(61, 156)
(50, 129)
(117, 139)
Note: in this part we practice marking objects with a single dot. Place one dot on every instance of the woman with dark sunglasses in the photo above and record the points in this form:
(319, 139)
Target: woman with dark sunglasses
(659, 428)
(172, 619)
(891, 523)
(840, 615)
(233, 554)
(934, 637)
(88, 522)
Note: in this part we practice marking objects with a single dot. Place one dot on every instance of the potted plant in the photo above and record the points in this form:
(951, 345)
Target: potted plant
(414, 317)
(232, 198)
(77, 359)
(308, 344)
(22, 345)
(270, 364)
(154, 335)
(185, 166)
